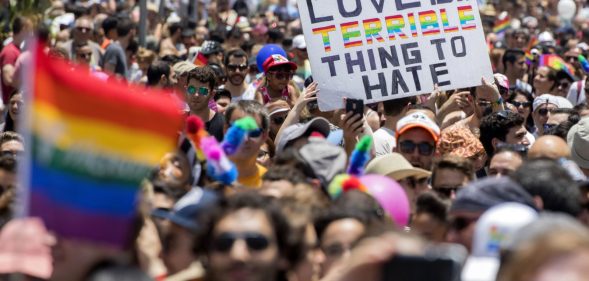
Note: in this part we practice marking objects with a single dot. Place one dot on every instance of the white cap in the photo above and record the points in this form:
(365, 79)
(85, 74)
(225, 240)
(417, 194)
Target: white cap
(418, 120)
(560, 102)
(492, 230)
(545, 37)
(298, 42)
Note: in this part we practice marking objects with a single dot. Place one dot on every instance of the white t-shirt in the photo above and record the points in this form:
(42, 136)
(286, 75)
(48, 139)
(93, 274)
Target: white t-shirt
(384, 141)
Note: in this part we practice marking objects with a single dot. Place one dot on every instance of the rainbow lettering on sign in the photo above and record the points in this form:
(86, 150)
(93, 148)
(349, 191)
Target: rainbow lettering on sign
(411, 17)
(372, 27)
(350, 34)
(429, 22)
(394, 25)
(465, 14)
(324, 31)
(445, 24)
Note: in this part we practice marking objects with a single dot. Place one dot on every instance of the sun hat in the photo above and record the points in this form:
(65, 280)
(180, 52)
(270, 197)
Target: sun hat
(395, 166)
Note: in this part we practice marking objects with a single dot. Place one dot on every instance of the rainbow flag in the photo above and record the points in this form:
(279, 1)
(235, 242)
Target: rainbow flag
(501, 25)
(533, 42)
(91, 143)
(200, 60)
(557, 63)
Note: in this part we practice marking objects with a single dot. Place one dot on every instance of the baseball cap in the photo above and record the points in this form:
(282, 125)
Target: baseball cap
(492, 231)
(210, 47)
(418, 120)
(325, 159)
(183, 67)
(277, 107)
(189, 207)
(292, 132)
(502, 80)
(481, 195)
(276, 60)
(560, 102)
(578, 141)
(395, 166)
(298, 42)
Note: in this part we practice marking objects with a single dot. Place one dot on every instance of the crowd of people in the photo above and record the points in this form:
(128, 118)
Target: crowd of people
(500, 169)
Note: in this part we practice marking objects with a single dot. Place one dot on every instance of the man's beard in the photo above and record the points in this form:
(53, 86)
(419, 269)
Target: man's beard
(236, 79)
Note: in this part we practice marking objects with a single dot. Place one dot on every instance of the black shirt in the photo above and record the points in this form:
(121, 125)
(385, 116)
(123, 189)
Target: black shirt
(215, 126)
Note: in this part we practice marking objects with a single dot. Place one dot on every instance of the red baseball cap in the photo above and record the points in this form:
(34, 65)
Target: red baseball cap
(276, 60)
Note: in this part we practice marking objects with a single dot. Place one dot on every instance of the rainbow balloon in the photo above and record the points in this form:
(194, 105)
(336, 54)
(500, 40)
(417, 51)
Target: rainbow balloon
(584, 63)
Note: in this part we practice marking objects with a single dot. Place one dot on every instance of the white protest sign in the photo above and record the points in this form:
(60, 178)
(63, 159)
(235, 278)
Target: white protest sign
(379, 50)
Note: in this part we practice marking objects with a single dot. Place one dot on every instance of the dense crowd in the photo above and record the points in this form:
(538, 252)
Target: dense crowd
(500, 169)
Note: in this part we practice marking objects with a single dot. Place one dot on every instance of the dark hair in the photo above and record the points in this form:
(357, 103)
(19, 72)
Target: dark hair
(109, 24)
(124, 26)
(275, 35)
(350, 205)
(451, 162)
(253, 200)
(203, 74)
(155, 71)
(431, 203)
(220, 75)
(561, 130)
(395, 107)
(174, 27)
(278, 173)
(10, 125)
(512, 55)
(18, 24)
(530, 120)
(133, 46)
(234, 33)
(238, 53)
(222, 93)
(552, 183)
(497, 125)
(552, 76)
(249, 107)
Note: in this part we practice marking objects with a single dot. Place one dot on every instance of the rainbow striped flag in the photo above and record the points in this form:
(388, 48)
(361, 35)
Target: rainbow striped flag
(501, 25)
(557, 63)
(90, 144)
(200, 60)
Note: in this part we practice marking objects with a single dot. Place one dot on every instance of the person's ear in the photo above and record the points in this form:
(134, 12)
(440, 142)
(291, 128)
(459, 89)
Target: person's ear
(494, 143)
(164, 79)
(539, 202)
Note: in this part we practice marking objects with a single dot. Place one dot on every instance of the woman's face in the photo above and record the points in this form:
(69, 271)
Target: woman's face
(541, 82)
(523, 105)
(16, 103)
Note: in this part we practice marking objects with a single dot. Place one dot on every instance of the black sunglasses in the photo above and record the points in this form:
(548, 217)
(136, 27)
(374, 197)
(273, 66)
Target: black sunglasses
(424, 148)
(278, 120)
(234, 67)
(446, 191)
(254, 241)
(544, 111)
(523, 104)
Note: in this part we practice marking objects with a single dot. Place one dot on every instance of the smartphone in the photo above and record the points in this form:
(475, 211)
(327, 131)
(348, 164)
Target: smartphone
(439, 263)
(356, 106)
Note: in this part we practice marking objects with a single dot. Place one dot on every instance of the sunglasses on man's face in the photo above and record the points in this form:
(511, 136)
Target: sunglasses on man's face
(446, 191)
(235, 67)
(202, 91)
(281, 75)
(424, 148)
(85, 55)
(544, 111)
(461, 223)
(254, 241)
(255, 133)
